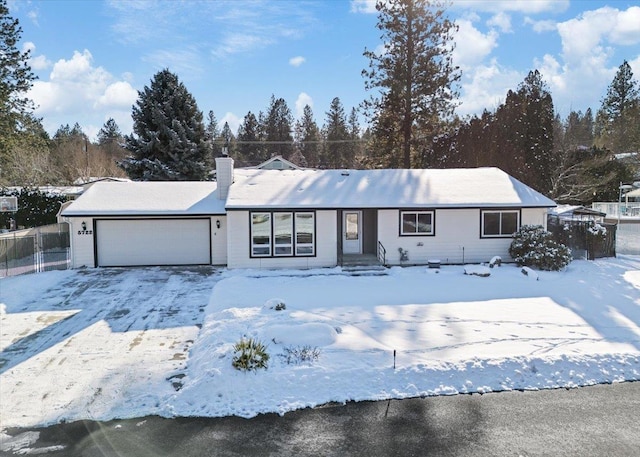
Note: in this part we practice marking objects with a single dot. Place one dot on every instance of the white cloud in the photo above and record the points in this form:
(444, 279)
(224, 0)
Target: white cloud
(120, 94)
(627, 27)
(185, 61)
(522, 6)
(486, 87)
(541, 26)
(297, 61)
(76, 88)
(235, 43)
(302, 100)
(38, 62)
(502, 21)
(233, 121)
(472, 46)
(363, 6)
(584, 66)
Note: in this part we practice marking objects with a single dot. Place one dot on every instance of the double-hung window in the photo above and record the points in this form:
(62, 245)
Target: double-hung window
(416, 223)
(282, 234)
(500, 223)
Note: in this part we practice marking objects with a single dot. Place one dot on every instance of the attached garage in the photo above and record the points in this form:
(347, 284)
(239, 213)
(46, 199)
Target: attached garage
(126, 224)
(150, 242)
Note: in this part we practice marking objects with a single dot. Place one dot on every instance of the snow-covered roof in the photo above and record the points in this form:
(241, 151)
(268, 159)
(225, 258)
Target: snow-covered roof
(389, 188)
(155, 198)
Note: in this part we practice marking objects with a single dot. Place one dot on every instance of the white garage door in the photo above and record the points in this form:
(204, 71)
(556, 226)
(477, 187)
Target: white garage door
(149, 242)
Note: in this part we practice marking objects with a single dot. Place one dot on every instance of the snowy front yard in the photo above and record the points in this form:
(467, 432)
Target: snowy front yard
(109, 343)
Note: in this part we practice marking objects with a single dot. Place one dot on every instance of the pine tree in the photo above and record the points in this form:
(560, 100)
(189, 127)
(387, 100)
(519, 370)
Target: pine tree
(16, 77)
(307, 138)
(537, 123)
(228, 140)
(336, 136)
(250, 149)
(168, 143)
(110, 139)
(277, 127)
(355, 150)
(618, 120)
(212, 136)
(415, 75)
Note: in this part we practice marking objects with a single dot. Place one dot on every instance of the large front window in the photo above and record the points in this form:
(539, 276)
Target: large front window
(502, 223)
(282, 234)
(416, 223)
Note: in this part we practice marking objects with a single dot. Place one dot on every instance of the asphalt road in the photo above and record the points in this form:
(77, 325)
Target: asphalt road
(591, 421)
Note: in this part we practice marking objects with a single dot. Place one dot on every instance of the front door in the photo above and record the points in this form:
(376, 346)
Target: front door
(352, 232)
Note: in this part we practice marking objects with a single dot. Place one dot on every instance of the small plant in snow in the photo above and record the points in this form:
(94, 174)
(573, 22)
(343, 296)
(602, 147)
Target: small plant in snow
(276, 304)
(533, 246)
(300, 354)
(249, 354)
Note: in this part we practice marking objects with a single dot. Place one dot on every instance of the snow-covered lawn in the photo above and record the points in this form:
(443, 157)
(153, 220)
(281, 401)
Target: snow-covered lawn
(109, 343)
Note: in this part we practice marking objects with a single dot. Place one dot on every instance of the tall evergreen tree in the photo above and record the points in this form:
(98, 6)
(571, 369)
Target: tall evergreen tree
(336, 136)
(618, 120)
(355, 146)
(307, 138)
(250, 149)
(212, 136)
(109, 133)
(168, 143)
(537, 130)
(415, 74)
(16, 77)
(16, 110)
(277, 128)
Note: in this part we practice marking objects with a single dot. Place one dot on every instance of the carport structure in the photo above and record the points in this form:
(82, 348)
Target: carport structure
(148, 224)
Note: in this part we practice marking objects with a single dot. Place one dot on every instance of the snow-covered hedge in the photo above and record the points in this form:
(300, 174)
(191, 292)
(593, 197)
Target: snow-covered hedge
(533, 246)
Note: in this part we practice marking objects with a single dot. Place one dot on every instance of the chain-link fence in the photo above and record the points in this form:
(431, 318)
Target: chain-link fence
(33, 250)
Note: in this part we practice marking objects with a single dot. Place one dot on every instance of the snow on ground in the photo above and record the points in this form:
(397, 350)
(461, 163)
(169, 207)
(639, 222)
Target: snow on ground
(114, 343)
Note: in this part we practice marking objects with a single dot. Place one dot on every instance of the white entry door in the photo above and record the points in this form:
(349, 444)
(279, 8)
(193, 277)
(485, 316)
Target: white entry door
(352, 232)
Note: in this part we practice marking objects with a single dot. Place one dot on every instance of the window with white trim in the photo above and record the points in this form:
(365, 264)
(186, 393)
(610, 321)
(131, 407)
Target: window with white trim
(261, 234)
(500, 223)
(416, 223)
(282, 234)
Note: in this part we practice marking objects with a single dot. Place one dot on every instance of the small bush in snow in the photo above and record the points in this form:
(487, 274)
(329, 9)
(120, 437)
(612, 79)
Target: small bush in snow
(249, 354)
(276, 303)
(300, 354)
(533, 246)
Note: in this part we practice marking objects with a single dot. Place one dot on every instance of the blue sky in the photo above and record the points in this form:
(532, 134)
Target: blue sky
(92, 57)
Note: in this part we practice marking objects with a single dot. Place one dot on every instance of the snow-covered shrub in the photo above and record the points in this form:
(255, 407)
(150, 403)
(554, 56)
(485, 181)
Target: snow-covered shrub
(249, 354)
(300, 354)
(597, 230)
(533, 246)
(275, 303)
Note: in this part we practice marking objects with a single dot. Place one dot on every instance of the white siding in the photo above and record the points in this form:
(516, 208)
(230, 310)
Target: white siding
(456, 241)
(238, 244)
(534, 216)
(81, 242)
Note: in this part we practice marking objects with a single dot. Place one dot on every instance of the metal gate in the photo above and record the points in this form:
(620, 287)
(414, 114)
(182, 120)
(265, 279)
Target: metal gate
(35, 250)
